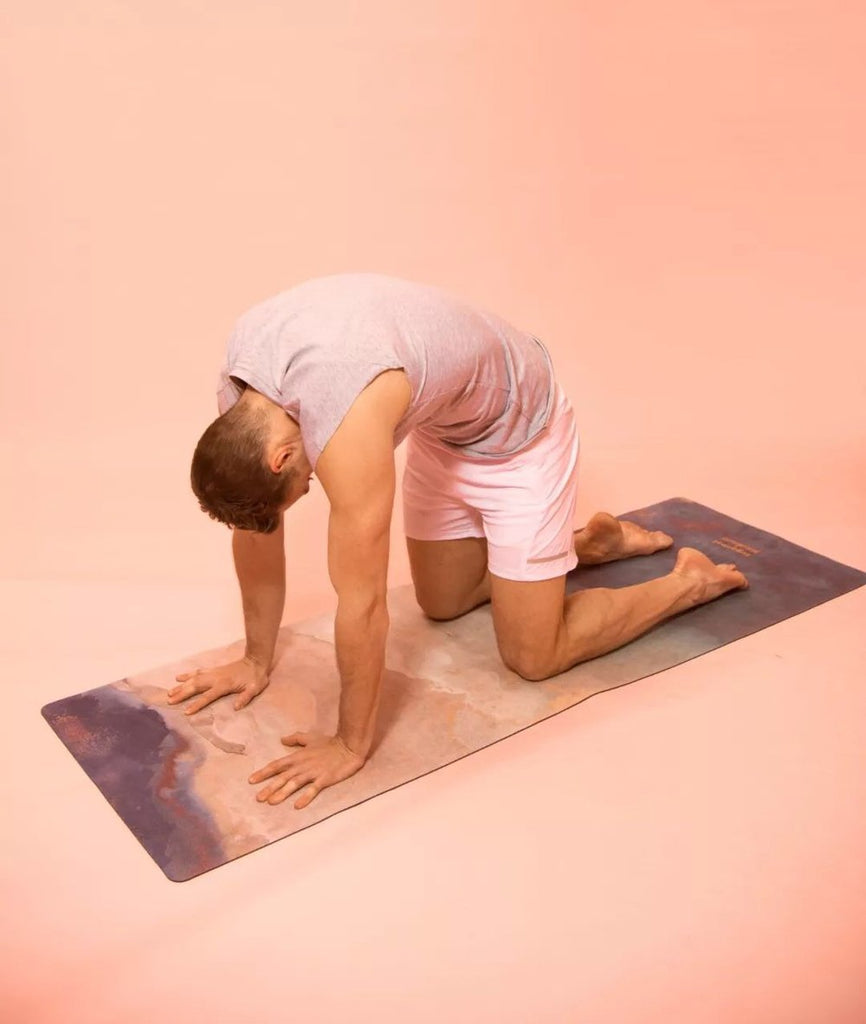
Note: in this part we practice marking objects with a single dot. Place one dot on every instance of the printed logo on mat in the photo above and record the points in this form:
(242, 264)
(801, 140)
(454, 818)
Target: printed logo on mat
(738, 546)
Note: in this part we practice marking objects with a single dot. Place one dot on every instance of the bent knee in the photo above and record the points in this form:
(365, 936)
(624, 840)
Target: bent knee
(437, 608)
(533, 666)
(436, 614)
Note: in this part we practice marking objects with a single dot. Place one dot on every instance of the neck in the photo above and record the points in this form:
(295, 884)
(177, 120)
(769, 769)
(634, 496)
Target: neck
(278, 419)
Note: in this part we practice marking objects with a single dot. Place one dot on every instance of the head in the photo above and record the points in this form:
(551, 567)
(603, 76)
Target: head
(250, 465)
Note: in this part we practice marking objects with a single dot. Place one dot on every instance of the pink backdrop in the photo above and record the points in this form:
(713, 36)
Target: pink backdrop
(671, 196)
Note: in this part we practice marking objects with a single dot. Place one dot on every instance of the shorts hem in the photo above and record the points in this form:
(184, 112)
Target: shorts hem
(414, 534)
(536, 573)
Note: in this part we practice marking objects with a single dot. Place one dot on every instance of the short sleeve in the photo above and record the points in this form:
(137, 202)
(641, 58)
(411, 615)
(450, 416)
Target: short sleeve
(329, 389)
(227, 392)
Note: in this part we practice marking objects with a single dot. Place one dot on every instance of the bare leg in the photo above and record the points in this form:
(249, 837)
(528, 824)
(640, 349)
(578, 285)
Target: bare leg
(450, 576)
(542, 632)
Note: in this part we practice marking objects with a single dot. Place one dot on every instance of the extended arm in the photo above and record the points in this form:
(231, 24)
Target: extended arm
(358, 540)
(260, 565)
(357, 472)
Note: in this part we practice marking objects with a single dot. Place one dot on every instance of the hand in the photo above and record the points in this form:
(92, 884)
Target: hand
(321, 762)
(245, 677)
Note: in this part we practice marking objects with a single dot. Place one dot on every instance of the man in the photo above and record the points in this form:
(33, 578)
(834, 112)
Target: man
(330, 377)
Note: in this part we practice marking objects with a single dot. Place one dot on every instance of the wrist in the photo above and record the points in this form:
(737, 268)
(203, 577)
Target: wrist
(355, 749)
(259, 663)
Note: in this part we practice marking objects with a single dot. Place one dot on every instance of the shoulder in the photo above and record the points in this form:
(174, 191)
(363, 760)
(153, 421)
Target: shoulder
(380, 405)
(361, 450)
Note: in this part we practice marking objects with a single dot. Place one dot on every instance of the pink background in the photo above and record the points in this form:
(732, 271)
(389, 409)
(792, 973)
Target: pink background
(671, 196)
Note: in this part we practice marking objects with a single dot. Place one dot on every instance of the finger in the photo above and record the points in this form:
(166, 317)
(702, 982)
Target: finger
(309, 795)
(282, 764)
(297, 739)
(194, 686)
(267, 792)
(183, 677)
(214, 693)
(245, 696)
(290, 787)
(279, 789)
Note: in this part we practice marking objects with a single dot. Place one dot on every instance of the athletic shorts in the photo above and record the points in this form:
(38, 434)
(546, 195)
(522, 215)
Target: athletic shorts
(523, 504)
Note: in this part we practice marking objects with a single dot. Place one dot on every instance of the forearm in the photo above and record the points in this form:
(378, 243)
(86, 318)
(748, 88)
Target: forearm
(360, 641)
(261, 570)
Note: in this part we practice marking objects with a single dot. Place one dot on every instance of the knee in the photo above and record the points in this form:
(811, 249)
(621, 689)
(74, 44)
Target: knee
(442, 607)
(436, 610)
(531, 665)
(440, 614)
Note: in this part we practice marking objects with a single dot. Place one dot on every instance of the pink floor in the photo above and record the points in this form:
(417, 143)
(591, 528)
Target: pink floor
(671, 196)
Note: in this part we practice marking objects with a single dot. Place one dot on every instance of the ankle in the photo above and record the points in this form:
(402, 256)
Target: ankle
(691, 588)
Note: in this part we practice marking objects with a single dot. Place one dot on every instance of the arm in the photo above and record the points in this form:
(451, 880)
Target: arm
(261, 569)
(260, 564)
(356, 470)
(358, 541)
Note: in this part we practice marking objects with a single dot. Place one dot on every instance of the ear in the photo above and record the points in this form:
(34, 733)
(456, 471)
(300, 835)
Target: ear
(280, 455)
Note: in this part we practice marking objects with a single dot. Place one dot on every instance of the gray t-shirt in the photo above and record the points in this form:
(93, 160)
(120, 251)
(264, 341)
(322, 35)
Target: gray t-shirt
(478, 384)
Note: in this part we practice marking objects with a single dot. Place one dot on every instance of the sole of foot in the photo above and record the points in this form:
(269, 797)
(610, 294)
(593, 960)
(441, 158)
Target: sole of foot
(608, 539)
(714, 579)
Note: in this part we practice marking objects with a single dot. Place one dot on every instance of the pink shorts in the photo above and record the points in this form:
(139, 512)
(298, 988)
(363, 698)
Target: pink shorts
(523, 504)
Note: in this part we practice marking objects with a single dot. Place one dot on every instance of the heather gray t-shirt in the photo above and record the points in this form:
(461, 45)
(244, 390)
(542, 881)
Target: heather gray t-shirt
(479, 385)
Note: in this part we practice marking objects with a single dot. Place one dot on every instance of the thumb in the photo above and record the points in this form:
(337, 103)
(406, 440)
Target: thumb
(297, 739)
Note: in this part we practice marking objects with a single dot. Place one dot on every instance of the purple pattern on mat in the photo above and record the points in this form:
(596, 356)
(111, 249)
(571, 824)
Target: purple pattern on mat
(143, 769)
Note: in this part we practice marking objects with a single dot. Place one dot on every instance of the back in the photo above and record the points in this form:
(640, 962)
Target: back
(478, 383)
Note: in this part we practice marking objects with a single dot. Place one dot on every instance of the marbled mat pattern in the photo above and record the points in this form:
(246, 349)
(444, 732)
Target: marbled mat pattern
(180, 783)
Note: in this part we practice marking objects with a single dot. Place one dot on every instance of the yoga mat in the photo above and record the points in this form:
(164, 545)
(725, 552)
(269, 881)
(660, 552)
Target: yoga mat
(180, 784)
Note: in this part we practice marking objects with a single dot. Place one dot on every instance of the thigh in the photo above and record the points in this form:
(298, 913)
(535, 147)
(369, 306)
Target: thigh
(434, 505)
(528, 617)
(530, 501)
(446, 571)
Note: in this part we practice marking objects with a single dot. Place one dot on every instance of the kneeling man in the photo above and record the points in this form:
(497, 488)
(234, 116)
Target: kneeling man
(330, 377)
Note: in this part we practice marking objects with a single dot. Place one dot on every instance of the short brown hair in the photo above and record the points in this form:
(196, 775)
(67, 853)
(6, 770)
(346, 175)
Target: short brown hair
(230, 477)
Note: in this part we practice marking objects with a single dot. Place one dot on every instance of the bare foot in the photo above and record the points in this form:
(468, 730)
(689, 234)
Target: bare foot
(608, 539)
(714, 580)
